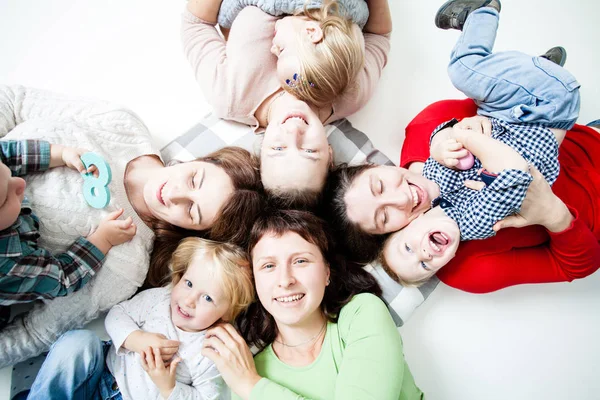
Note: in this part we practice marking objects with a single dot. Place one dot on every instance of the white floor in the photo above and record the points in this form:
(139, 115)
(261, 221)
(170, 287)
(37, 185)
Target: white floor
(529, 342)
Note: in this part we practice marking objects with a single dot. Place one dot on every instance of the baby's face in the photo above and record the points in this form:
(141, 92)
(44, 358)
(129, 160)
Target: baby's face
(198, 300)
(12, 191)
(423, 247)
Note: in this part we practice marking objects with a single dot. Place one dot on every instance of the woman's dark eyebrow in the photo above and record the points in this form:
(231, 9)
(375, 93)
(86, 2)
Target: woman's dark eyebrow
(371, 185)
(199, 186)
(371, 177)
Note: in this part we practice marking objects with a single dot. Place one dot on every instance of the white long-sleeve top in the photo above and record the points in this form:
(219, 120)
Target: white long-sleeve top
(150, 311)
(56, 197)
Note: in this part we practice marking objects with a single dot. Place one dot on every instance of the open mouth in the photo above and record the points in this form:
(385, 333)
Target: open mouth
(290, 299)
(293, 117)
(417, 196)
(159, 194)
(439, 241)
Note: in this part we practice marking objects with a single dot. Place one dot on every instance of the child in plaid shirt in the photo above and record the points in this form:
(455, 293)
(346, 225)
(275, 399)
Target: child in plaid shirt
(530, 102)
(29, 272)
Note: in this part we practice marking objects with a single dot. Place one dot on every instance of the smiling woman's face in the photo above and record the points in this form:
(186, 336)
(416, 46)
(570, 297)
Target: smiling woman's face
(290, 275)
(294, 152)
(189, 195)
(385, 199)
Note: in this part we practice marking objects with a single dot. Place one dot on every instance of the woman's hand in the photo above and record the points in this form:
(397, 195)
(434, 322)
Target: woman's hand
(162, 375)
(380, 17)
(540, 207)
(206, 10)
(477, 124)
(230, 353)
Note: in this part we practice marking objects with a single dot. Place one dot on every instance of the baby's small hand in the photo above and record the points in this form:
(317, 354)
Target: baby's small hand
(447, 152)
(139, 341)
(113, 232)
(477, 124)
(71, 156)
(163, 375)
(117, 231)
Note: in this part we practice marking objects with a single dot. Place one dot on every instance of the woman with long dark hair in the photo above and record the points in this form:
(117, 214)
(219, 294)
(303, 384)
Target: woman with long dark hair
(321, 330)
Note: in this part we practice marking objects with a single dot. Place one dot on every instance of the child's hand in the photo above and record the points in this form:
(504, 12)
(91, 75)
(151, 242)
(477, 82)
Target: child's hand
(477, 124)
(139, 341)
(113, 232)
(162, 375)
(69, 157)
(447, 151)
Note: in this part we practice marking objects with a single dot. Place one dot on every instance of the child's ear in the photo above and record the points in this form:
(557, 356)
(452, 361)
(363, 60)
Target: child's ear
(313, 31)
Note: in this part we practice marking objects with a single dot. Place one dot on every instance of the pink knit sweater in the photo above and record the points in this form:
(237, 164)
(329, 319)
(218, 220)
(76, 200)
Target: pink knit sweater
(238, 75)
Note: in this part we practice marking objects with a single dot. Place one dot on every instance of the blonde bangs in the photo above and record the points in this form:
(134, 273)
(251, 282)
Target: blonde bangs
(230, 266)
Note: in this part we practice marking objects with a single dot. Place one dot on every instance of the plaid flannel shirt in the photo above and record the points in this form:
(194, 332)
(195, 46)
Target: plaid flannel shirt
(474, 211)
(27, 271)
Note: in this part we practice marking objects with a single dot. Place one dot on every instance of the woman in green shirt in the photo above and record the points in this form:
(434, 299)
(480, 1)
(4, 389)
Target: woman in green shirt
(321, 330)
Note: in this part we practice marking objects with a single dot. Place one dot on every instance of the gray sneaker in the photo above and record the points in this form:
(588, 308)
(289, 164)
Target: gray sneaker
(558, 55)
(453, 14)
(594, 124)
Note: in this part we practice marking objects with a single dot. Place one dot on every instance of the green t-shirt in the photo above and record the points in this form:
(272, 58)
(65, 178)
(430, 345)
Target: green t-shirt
(361, 358)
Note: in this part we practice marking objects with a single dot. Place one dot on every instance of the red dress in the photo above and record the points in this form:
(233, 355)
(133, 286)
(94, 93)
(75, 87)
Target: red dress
(531, 254)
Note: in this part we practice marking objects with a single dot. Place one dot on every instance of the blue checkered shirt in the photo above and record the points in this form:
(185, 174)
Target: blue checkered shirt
(476, 212)
(27, 271)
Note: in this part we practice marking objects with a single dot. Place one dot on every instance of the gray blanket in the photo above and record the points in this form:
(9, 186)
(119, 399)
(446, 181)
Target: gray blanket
(356, 10)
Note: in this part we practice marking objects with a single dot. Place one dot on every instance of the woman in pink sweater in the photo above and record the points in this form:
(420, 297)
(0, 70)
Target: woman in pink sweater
(244, 79)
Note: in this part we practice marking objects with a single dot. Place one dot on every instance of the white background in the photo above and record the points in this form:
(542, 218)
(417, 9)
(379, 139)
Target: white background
(528, 342)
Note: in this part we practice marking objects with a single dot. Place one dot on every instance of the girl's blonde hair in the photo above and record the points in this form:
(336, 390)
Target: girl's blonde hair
(329, 67)
(230, 266)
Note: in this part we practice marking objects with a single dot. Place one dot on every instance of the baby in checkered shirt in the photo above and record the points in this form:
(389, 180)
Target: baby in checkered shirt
(525, 104)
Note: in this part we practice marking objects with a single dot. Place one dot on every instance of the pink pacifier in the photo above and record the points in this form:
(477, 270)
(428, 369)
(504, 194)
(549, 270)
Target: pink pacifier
(466, 162)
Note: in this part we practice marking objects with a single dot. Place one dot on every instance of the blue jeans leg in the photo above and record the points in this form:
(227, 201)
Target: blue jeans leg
(72, 369)
(511, 86)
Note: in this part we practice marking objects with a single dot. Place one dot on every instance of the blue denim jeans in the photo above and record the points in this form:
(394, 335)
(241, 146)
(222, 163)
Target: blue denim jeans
(511, 86)
(75, 368)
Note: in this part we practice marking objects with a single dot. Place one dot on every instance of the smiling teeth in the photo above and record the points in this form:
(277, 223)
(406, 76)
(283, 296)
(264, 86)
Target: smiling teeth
(183, 312)
(415, 196)
(298, 118)
(289, 299)
(435, 246)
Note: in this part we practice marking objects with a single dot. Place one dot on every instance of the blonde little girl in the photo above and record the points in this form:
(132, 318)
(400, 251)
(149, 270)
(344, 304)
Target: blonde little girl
(157, 335)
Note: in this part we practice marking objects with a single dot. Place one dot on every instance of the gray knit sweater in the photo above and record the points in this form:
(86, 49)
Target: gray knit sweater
(356, 10)
(56, 196)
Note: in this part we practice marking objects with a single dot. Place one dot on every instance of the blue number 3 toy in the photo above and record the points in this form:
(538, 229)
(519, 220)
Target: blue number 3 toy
(95, 191)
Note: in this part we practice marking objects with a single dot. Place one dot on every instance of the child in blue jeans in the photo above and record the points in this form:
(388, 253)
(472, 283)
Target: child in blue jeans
(530, 103)
(157, 335)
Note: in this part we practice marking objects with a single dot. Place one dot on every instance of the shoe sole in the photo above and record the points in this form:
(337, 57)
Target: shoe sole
(449, 2)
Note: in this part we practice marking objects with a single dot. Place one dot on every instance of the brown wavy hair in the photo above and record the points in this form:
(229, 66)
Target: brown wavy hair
(256, 325)
(233, 222)
(358, 245)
